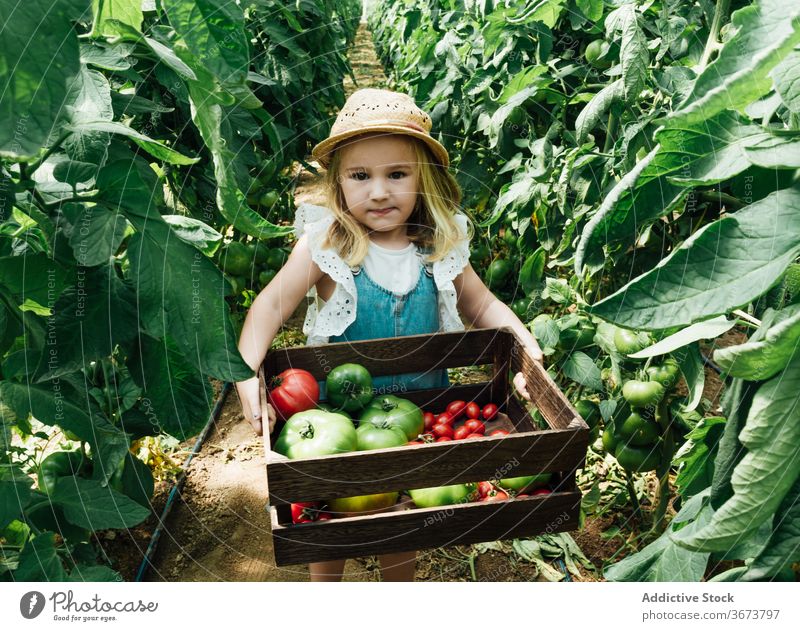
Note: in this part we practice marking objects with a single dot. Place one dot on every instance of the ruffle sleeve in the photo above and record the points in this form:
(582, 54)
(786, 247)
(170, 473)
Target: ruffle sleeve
(445, 271)
(335, 315)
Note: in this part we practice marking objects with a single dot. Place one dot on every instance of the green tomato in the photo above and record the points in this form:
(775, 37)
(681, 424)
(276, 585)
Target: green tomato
(260, 253)
(627, 341)
(396, 412)
(359, 504)
(237, 258)
(269, 198)
(276, 258)
(525, 482)
(444, 495)
(349, 387)
(596, 52)
(379, 434)
(479, 253)
(517, 116)
(639, 431)
(497, 273)
(637, 458)
(58, 465)
(316, 433)
(641, 394)
(609, 440)
(578, 337)
(589, 411)
(667, 374)
(265, 277)
(510, 238)
(520, 307)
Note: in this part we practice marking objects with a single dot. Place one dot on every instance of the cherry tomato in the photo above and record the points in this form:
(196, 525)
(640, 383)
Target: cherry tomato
(522, 495)
(542, 492)
(489, 411)
(484, 488)
(442, 429)
(456, 409)
(473, 410)
(429, 419)
(475, 426)
(461, 432)
(443, 419)
(496, 495)
(443, 439)
(415, 442)
(475, 436)
(498, 432)
(324, 517)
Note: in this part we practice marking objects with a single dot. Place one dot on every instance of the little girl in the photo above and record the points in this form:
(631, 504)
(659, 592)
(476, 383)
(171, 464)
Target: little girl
(388, 258)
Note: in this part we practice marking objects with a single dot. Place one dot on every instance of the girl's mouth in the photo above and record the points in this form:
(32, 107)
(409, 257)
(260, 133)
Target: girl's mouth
(382, 211)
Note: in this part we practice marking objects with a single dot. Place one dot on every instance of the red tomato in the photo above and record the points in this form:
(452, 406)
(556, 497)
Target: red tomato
(442, 429)
(542, 492)
(461, 433)
(475, 426)
(324, 517)
(443, 419)
(484, 488)
(473, 410)
(456, 409)
(522, 495)
(496, 495)
(429, 420)
(443, 439)
(475, 436)
(489, 411)
(304, 512)
(294, 390)
(498, 432)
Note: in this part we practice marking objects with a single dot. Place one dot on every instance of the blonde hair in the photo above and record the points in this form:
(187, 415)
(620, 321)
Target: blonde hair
(432, 224)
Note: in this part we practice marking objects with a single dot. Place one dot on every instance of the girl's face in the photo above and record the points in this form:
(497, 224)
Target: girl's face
(378, 176)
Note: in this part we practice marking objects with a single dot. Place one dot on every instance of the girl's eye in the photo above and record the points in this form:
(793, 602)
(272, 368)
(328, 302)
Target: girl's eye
(357, 175)
(400, 173)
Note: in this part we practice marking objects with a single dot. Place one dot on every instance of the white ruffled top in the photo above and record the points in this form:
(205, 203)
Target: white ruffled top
(324, 319)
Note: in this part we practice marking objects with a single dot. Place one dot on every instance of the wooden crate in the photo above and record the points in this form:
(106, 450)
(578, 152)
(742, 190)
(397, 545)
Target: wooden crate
(528, 450)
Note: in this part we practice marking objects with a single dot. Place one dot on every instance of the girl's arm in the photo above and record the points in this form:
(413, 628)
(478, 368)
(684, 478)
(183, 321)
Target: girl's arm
(482, 308)
(271, 308)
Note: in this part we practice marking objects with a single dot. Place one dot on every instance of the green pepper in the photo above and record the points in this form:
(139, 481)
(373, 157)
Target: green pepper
(349, 387)
(641, 394)
(59, 465)
(667, 374)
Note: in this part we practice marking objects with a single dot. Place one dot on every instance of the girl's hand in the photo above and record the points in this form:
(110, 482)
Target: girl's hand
(250, 399)
(519, 379)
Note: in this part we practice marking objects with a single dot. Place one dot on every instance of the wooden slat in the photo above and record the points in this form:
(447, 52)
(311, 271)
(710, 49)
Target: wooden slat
(391, 356)
(502, 362)
(545, 394)
(419, 529)
(418, 466)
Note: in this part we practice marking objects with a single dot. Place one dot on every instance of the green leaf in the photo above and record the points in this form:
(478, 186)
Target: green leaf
(90, 319)
(763, 359)
(633, 53)
(783, 547)
(595, 109)
(34, 77)
(88, 98)
(757, 243)
(89, 505)
(15, 494)
(532, 271)
(765, 33)
(207, 115)
(93, 574)
(767, 471)
(592, 9)
(195, 232)
(787, 81)
(779, 150)
(163, 271)
(664, 561)
(34, 276)
(155, 148)
(39, 560)
(214, 33)
(179, 396)
(107, 13)
(699, 331)
(695, 459)
(96, 236)
(582, 370)
(691, 363)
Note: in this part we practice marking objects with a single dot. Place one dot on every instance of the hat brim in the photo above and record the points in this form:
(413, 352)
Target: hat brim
(323, 151)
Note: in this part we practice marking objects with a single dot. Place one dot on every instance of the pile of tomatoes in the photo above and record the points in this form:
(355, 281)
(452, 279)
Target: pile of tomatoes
(441, 427)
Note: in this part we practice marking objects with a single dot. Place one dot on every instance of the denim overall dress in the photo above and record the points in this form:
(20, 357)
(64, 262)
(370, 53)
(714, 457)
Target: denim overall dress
(382, 313)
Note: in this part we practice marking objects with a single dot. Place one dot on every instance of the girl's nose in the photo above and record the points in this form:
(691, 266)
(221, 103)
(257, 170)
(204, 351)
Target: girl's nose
(379, 188)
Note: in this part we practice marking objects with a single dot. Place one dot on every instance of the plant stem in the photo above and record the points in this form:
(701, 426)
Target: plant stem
(712, 43)
(637, 508)
(667, 449)
(721, 198)
(611, 129)
(59, 141)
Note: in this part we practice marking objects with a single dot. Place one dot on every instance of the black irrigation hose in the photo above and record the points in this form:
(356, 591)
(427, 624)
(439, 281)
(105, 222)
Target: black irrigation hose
(177, 486)
(708, 362)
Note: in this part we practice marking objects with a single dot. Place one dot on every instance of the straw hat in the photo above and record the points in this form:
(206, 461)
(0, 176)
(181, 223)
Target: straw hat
(372, 110)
